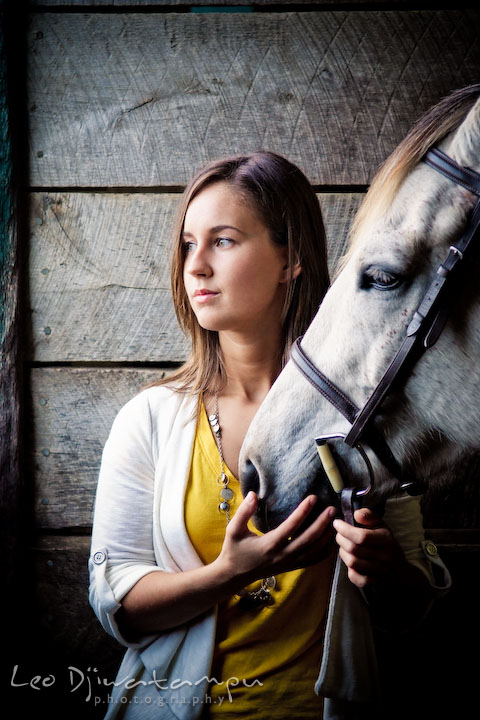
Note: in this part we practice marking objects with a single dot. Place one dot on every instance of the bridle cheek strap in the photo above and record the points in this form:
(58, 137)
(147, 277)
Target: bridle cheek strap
(321, 383)
(426, 325)
(350, 411)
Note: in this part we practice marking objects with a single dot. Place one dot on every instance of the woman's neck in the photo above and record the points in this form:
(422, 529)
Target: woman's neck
(251, 365)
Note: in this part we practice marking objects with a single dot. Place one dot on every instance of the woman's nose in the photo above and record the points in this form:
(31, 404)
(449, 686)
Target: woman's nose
(197, 263)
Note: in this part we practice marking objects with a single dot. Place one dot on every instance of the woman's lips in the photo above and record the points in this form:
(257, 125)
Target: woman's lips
(204, 296)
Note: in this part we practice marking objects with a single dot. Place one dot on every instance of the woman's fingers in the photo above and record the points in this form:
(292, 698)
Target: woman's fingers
(361, 580)
(361, 536)
(365, 543)
(369, 552)
(285, 548)
(366, 517)
(294, 521)
(237, 526)
(305, 548)
(288, 528)
(320, 529)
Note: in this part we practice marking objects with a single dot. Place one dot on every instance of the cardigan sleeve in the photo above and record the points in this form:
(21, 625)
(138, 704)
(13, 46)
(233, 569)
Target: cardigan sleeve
(122, 538)
(403, 516)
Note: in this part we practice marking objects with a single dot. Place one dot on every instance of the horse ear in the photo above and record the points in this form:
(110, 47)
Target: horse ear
(464, 143)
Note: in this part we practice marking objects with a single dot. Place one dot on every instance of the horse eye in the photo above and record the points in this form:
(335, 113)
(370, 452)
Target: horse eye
(380, 279)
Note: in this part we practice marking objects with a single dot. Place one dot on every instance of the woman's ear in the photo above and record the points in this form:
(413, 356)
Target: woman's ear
(295, 271)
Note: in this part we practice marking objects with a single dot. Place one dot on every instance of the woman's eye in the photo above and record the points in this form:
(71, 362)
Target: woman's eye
(188, 246)
(380, 279)
(223, 242)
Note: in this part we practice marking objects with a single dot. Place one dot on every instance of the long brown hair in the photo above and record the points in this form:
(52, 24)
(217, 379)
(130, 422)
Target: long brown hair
(289, 208)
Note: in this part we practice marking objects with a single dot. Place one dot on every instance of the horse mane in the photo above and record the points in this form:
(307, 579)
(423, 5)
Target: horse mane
(429, 129)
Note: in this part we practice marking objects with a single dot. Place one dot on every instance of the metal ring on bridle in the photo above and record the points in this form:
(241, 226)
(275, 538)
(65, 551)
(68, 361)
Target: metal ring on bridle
(323, 439)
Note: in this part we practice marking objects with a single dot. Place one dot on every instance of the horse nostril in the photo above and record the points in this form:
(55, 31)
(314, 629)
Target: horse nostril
(250, 478)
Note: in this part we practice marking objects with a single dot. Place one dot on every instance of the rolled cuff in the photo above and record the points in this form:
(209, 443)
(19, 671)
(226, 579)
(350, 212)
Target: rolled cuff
(105, 594)
(404, 518)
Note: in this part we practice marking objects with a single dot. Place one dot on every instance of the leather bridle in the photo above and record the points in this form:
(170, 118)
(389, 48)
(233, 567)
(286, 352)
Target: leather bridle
(422, 332)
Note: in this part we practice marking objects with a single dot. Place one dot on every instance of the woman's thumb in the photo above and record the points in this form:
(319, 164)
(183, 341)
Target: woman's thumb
(368, 518)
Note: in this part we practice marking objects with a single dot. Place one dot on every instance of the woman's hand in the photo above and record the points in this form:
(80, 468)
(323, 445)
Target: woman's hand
(397, 592)
(162, 600)
(370, 552)
(247, 557)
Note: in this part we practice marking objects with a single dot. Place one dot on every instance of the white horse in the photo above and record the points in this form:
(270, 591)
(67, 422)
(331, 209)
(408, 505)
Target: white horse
(411, 215)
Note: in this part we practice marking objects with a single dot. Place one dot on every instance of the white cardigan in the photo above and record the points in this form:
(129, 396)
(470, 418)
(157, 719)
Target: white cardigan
(139, 527)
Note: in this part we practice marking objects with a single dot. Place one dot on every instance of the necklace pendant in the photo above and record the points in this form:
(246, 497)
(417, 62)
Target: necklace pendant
(222, 480)
(227, 494)
(255, 600)
(214, 423)
(264, 598)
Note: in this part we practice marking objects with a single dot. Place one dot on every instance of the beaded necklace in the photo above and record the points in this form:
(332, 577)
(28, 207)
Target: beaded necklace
(252, 598)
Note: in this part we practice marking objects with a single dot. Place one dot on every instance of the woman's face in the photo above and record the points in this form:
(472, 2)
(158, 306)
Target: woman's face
(234, 275)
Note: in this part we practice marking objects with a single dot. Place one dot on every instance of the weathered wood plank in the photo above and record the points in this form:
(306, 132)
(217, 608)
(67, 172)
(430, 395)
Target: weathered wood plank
(73, 410)
(12, 451)
(62, 594)
(142, 99)
(9, 385)
(99, 274)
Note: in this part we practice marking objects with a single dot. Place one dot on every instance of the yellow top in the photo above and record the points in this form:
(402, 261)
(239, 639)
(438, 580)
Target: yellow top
(266, 659)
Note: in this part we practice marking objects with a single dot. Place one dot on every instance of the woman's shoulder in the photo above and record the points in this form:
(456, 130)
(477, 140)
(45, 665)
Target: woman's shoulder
(157, 402)
(148, 419)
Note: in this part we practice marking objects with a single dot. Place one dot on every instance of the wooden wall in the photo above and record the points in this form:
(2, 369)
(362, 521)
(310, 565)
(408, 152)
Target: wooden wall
(124, 101)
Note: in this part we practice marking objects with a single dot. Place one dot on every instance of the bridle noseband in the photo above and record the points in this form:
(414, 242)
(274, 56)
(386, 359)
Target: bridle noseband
(422, 332)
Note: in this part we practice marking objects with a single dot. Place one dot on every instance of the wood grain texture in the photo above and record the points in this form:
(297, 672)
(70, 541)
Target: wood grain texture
(73, 410)
(131, 99)
(9, 411)
(11, 381)
(62, 596)
(99, 274)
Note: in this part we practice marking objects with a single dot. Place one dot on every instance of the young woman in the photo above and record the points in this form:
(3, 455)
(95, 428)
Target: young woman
(219, 620)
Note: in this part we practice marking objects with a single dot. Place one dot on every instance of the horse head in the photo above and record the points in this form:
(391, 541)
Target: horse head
(410, 218)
